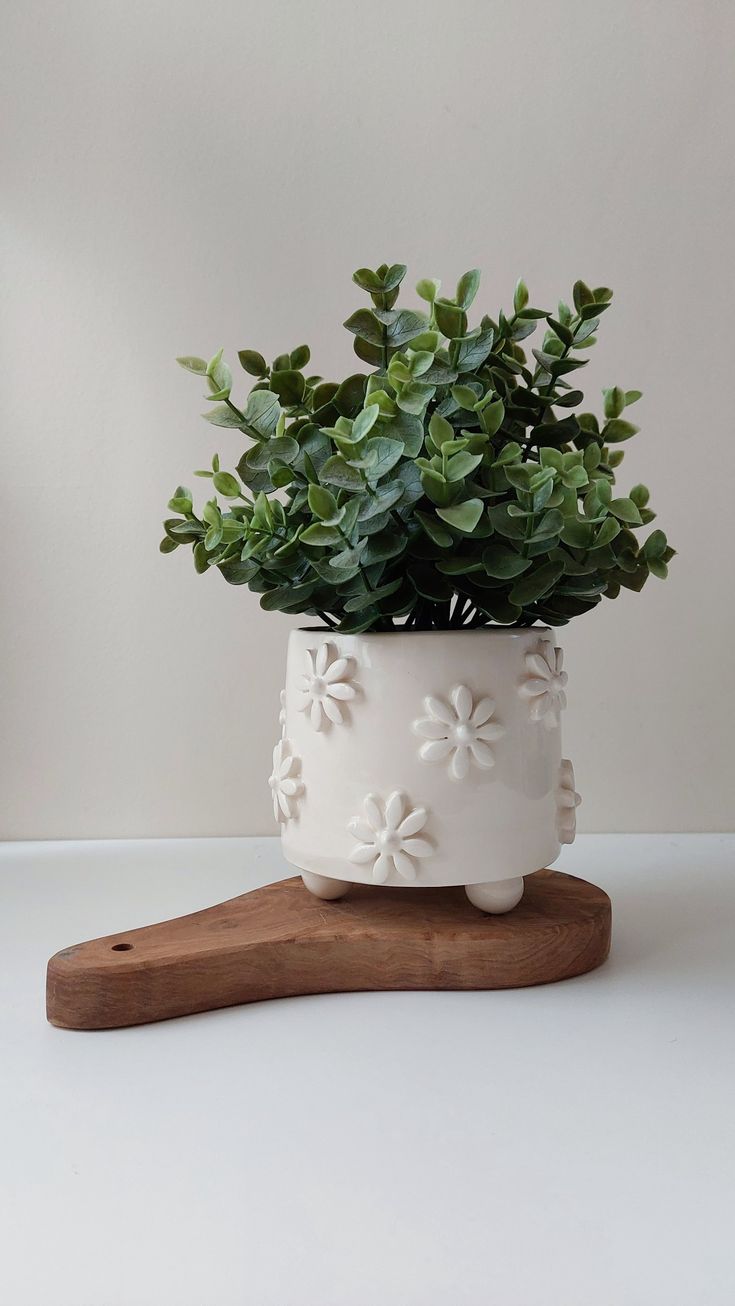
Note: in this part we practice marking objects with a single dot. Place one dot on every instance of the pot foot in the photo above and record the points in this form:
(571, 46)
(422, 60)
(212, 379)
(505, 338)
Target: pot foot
(322, 886)
(496, 897)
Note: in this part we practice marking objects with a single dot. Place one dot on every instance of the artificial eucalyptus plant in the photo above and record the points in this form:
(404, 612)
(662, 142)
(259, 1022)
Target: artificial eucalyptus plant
(454, 485)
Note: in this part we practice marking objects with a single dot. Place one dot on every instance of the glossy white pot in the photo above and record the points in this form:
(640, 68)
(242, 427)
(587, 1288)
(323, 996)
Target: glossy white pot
(423, 759)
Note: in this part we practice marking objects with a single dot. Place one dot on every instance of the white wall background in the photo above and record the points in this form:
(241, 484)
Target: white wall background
(178, 177)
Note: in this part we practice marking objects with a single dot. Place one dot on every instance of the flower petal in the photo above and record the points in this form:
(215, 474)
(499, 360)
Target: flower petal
(440, 710)
(309, 664)
(540, 707)
(276, 757)
(534, 685)
(460, 763)
(491, 731)
(558, 660)
(341, 690)
(316, 714)
(276, 807)
(394, 809)
(322, 659)
(538, 665)
(417, 847)
(462, 700)
(333, 710)
(337, 670)
(430, 728)
(482, 753)
(483, 711)
(360, 829)
(435, 749)
(284, 804)
(382, 868)
(412, 823)
(363, 852)
(373, 812)
(404, 866)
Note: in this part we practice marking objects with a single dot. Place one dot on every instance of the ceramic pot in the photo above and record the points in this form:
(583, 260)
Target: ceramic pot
(422, 759)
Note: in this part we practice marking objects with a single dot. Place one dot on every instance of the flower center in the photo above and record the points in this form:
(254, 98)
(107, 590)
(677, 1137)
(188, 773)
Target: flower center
(389, 841)
(462, 733)
(273, 781)
(318, 687)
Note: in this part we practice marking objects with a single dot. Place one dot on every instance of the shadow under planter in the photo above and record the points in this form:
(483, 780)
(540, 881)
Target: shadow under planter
(280, 941)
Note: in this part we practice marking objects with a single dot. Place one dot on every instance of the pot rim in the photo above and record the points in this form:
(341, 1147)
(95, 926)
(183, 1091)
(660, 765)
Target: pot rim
(512, 632)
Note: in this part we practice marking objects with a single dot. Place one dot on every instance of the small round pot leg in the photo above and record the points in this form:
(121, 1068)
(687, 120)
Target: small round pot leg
(496, 897)
(324, 887)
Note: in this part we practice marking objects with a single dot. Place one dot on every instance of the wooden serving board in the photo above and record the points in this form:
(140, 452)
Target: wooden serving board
(279, 942)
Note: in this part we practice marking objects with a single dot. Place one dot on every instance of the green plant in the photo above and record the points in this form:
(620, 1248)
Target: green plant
(453, 486)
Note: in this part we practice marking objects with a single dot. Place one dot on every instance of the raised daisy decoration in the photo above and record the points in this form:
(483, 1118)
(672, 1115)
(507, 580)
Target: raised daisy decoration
(462, 732)
(324, 685)
(286, 787)
(387, 836)
(567, 802)
(545, 684)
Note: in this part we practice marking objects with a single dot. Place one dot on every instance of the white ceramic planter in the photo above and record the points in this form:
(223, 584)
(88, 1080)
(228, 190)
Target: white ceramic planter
(423, 759)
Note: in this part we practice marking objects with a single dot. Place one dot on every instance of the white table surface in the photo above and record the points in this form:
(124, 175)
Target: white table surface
(571, 1145)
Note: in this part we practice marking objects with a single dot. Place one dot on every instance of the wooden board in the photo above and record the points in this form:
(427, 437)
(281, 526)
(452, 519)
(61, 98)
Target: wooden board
(280, 941)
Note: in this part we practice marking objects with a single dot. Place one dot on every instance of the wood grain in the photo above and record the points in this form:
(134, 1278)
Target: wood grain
(279, 942)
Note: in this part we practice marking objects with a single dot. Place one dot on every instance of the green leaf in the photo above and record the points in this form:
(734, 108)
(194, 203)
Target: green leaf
(262, 412)
(655, 546)
(337, 471)
(289, 385)
(435, 531)
(221, 415)
(614, 401)
(617, 430)
(370, 597)
(450, 319)
(582, 295)
(463, 516)
(625, 510)
(536, 584)
(225, 483)
(467, 287)
(462, 464)
(502, 562)
(299, 357)
(365, 421)
(381, 455)
(474, 349)
(365, 324)
(318, 534)
(282, 447)
(428, 289)
(404, 326)
(252, 362)
(465, 397)
(632, 397)
(192, 364)
(520, 296)
(167, 545)
(322, 502)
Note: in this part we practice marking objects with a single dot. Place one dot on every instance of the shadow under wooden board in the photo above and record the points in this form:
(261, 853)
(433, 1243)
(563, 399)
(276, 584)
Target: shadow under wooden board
(279, 941)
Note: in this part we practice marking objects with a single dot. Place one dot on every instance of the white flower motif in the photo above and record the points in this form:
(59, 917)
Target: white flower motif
(323, 685)
(567, 801)
(285, 785)
(462, 731)
(387, 837)
(282, 713)
(545, 685)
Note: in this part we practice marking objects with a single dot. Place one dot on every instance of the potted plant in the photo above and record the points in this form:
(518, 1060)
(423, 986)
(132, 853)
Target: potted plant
(434, 518)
